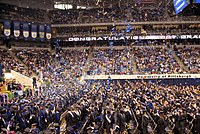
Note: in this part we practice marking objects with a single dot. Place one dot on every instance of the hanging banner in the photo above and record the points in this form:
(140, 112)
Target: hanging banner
(16, 28)
(25, 30)
(48, 32)
(150, 76)
(34, 31)
(41, 31)
(7, 27)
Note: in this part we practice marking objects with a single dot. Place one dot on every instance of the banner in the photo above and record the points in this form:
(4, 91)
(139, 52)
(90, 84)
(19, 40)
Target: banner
(41, 31)
(34, 31)
(7, 27)
(116, 38)
(25, 30)
(151, 76)
(180, 5)
(48, 32)
(16, 28)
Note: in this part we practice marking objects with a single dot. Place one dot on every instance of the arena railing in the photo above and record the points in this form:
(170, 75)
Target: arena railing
(190, 126)
(169, 129)
(84, 125)
(131, 23)
(137, 124)
(154, 123)
(150, 76)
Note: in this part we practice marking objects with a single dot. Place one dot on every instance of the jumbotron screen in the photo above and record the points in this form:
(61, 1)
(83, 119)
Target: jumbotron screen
(180, 5)
(196, 1)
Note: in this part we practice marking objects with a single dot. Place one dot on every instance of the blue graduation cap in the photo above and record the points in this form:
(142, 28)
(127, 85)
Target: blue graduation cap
(128, 28)
(111, 43)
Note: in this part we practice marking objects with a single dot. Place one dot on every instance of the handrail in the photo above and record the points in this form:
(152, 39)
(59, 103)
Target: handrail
(153, 130)
(81, 131)
(137, 124)
(50, 125)
(190, 123)
(131, 23)
(172, 128)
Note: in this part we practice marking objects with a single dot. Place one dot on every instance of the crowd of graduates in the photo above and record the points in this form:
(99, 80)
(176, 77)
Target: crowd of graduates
(105, 106)
(100, 106)
(128, 106)
(110, 106)
(35, 110)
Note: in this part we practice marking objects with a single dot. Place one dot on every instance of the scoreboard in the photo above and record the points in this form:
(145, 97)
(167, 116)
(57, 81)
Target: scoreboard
(180, 5)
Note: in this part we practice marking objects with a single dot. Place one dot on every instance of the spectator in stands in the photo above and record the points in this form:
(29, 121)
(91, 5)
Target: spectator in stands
(190, 57)
(109, 62)
(156, 60)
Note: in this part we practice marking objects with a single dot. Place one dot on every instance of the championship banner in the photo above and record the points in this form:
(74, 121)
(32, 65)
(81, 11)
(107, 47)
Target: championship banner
(25, 30)
(34, 31)
(16, 28)
(41, 31)
(48, 32)
(7, 27)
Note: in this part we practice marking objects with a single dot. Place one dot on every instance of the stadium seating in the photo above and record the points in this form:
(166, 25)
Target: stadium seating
(190, 57)
(110, 62)
(10, 62)
(127, 86)
(19, 13)
(156, 61)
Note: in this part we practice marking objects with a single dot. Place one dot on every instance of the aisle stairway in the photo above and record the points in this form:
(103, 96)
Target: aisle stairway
(86, 67)
(178, 60)
(46, 17)
(80, 16)
(129, 15)
(134, 66)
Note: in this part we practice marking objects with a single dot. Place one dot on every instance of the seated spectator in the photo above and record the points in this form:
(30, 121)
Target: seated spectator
(156, 61)
(190, 57)
(9, 63)
(107, 61)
